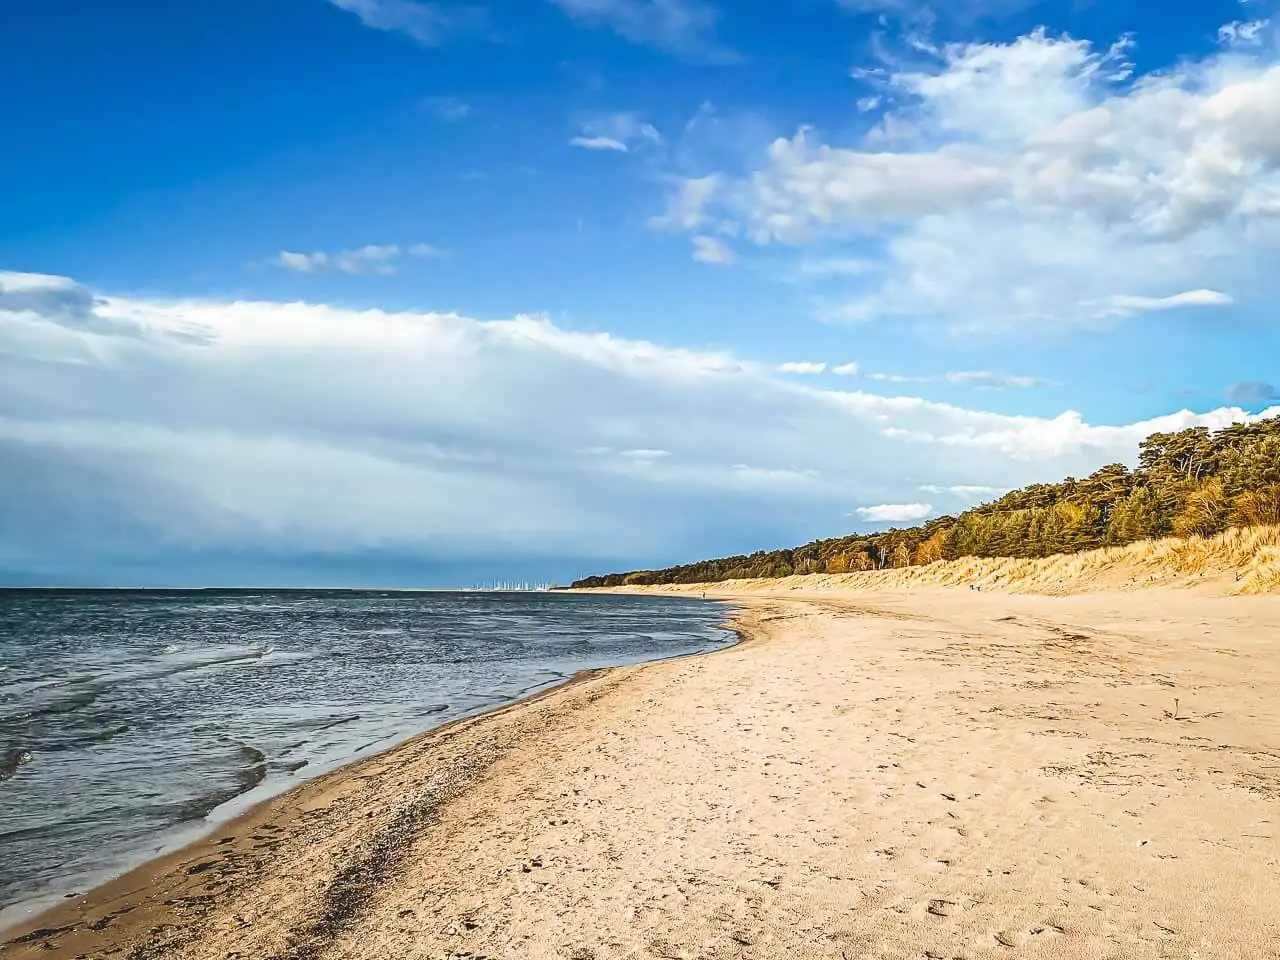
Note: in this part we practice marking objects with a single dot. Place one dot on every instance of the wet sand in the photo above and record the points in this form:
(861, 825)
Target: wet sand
(914, 774)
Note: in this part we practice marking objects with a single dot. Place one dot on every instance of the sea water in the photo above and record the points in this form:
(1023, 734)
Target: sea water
(132, 720)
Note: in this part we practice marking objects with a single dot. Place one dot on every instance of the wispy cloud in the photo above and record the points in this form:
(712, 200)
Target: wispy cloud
(379, 259)
(802, 367)
(711, 250)
(984, 378)
(686, 28)
(615, 131)
(686, 205)
(1245, 33)
(428, 23)
(881, 377)
(598, 143)
(1122, 305)
(970, 378)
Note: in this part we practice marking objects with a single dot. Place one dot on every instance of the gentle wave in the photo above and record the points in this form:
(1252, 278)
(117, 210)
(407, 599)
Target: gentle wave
(143, 716)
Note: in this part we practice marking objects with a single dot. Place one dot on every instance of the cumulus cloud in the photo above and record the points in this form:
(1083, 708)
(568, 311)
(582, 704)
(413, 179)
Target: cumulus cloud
(846, 370)
(1033, 182)
(802, 367)
(895, 512)
(684, 27)
(379, 259)
(711, 250)
(428, 23)
(140, 429)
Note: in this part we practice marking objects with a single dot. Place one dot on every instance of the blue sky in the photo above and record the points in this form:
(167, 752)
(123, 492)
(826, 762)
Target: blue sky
(861, 254)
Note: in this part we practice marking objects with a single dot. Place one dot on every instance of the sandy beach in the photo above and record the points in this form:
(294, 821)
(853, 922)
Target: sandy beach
(916, 773)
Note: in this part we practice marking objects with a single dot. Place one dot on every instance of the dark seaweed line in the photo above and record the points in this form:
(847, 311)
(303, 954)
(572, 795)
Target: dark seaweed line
(350, 895)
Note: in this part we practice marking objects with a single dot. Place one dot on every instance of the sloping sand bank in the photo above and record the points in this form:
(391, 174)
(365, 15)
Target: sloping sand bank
(922, 774)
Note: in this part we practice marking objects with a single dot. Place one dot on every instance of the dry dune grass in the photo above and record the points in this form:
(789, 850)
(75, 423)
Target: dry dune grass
(1239, 561)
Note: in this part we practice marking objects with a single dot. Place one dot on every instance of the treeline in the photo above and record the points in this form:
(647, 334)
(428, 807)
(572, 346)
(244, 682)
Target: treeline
(1190, 483)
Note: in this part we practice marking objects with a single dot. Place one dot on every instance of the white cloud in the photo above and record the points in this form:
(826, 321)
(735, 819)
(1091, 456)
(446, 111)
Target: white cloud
(138, 429)
(1243, 33)
(450, 109)
(616, 131)
(685, 206)
(966, 491)
(894, 378)
(427, 23)
(1027, 183)
(372, 258)
(683, 27)
(1121, 305)
(984, 378)
(975, 378)
(895, 512)
(598, 143)
(711, 250)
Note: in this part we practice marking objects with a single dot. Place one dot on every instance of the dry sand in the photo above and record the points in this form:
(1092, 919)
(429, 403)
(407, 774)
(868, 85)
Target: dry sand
(923, 774)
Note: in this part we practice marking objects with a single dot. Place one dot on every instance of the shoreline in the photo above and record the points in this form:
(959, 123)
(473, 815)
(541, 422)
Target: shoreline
(222, 818)
(192, 833)
(114, 897)
(922, 773)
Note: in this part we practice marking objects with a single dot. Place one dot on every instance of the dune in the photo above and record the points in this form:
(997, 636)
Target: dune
(1239, 561)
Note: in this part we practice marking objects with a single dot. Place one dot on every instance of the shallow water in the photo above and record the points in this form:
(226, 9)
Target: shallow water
(148, 714)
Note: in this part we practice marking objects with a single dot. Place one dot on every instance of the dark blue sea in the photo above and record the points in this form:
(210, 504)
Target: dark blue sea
(147, 716)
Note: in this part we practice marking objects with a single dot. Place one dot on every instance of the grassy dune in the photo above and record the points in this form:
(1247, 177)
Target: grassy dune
(1240, 561)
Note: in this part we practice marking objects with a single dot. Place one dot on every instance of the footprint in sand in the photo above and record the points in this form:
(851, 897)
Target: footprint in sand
(942, 908)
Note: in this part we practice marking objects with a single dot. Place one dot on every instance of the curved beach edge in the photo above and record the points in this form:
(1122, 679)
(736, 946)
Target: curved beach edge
(161, 903)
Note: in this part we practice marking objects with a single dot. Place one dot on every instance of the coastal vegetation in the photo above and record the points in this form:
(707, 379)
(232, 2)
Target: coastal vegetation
(1189, 483)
